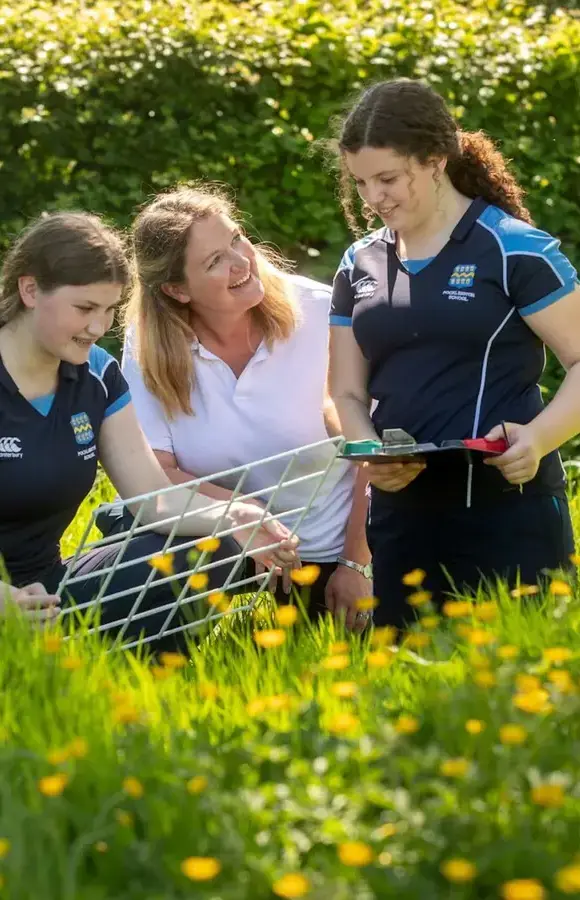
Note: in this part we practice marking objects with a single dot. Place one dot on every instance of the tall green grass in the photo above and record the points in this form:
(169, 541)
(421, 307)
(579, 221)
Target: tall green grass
(324, 767)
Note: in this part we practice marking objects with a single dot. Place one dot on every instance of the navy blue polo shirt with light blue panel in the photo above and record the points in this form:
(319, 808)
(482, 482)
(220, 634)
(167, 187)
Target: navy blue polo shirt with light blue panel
(48, 461)
(449, 352)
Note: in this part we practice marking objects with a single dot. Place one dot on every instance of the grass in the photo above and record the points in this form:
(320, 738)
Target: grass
(324, 767)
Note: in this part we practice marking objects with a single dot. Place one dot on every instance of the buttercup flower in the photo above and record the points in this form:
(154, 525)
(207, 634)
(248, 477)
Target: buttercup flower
(479, 637)
(270, 637)
(198, 581)
(562, 680)
(525, 590)
(53, 785)
(286, 616)
(133, 787)
(486, 611)
(507, 651)
(377, 659)
(512, 734)
(560, 588)
(197, 784)
(305, 576)
(291, 886)
(419, 598)
(343, 723)
(344, 689)
(533, 701)
(485, 678)
(366, 604)
(523, 889)
(384, 636)
(556, 655)
(458, 870)
(474, 726)
(549, 795)
(454, 768)
(173, 660)
(338, 647)
(568, 879)
(335, 663)
(162, 563)
(209, 545)
(406, 725)
(457, 609)
(355, 853)
(414, 578)
(429, 622)
(526, 683)
(201, 868)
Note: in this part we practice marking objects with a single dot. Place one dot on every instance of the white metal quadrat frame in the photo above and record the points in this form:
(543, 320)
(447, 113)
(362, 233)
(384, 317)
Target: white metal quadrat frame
(200, 611)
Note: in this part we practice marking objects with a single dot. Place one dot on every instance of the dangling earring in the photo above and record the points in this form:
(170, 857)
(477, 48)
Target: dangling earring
(369, 215)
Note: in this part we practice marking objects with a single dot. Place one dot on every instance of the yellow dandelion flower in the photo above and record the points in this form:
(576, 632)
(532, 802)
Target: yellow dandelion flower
(418, 640)
(384, 636)
(550, 796)
(458, 870)
(126, 714)
(533, 702)
(160, 673)
(338, 647)
(291, 886)
(286, 616)
(124, 818)
(414, 578)
(219, 600)
(306, 576)
(197, 784)
(71, 663)
(163, 563)
(378, 659)
(198, 581)
(386, 831)
(507, 651)
(355, 853)
(173, 660)
(556, 655)
(101, 846)
(457, 609)
(429, 622)
(523, 889)
(133, 787)
(78, 748)
(454, 768)
(53, 785)
(344, 689)
(479, 637)
(208, 545)
(52, 643)
(366, 604)
(279, 701)
(208, 690)
(560, 588)
(343, 723)
(568, 879)
(270, 637)
(58, 756)
(4, 847)
(419, 598)
(525, 590)
(512, 734)
(474, 726)
(575, 559)
(335, 663)
(486, 611)
(256, 707)
(406, 725)
(562, 680)
(485, 679)
(528, 683)
(201, 868)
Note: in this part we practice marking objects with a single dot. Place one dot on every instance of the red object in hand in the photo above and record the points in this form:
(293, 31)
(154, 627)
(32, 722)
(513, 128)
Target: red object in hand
(499, 446)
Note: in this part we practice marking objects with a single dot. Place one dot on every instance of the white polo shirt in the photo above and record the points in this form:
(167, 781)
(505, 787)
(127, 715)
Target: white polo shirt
(274, 406)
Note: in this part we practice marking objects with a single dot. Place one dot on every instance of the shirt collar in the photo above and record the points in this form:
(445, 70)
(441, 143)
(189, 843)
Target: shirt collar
(461, 230)
(261, 351)
(66, 370)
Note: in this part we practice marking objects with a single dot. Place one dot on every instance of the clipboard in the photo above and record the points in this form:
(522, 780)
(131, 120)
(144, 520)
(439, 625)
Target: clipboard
(398, 446)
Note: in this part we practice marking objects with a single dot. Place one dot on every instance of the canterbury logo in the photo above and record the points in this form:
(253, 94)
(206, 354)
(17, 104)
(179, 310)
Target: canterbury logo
(10, 445)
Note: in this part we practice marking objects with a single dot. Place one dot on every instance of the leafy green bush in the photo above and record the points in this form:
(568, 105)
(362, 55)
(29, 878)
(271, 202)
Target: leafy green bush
(105, 102)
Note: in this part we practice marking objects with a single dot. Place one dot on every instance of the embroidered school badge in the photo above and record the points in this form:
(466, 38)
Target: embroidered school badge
(83, 430)
(462, 276)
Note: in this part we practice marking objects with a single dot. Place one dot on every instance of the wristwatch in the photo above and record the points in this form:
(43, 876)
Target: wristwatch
(366, 571)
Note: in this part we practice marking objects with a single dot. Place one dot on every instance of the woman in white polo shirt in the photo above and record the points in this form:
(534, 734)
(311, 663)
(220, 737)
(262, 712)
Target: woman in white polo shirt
(226, 357)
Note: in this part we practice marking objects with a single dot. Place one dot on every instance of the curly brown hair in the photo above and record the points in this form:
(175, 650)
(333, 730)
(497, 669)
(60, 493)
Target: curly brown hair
(411, 118)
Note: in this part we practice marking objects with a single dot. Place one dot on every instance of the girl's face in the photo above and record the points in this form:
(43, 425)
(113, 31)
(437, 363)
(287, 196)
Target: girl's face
(67, 321)
(401, 190)
(221, 271)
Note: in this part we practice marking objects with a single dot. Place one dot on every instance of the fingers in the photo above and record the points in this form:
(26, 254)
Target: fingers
(394, 476)
(27, 601)
(278, 531)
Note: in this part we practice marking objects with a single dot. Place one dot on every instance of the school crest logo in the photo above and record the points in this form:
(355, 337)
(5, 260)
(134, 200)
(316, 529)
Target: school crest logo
(83, 430)
(462, 276)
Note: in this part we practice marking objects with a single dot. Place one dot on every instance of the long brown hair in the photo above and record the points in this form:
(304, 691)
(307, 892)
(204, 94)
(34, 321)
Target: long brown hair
(58, 249)
(412, 119)
(164, 328)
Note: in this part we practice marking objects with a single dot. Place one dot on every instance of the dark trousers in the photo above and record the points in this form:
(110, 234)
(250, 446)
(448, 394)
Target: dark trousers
(521, 536)
(133, 577)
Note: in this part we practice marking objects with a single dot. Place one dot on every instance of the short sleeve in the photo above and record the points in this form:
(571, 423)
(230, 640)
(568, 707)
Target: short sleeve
(342, 301)
(105, 369)
(538, 273)
(148, 408)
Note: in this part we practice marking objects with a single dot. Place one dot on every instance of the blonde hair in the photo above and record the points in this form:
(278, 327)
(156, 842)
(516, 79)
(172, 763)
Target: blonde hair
(164, 329)
(59, 249)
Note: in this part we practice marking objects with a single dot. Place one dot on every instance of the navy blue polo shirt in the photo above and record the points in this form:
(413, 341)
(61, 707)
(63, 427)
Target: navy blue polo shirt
(48, 461)
(450, 354)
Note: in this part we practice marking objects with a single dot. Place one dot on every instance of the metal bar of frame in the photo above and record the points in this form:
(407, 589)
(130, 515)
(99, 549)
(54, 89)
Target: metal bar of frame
(260, 581)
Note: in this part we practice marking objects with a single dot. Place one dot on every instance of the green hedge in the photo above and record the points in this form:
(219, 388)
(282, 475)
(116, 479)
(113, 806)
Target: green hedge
(105, 102)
